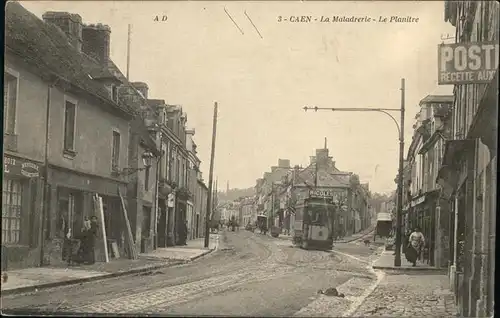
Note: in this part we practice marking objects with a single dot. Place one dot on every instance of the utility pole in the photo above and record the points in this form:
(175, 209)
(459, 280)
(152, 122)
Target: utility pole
(128, 50)
(210, 179)
(397, 258)
(316, 172)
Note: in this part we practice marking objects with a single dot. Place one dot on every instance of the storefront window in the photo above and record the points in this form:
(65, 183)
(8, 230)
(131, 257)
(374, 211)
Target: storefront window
(11, 211)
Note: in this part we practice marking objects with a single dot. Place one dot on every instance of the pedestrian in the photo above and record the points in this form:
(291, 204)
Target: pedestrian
(183, 233)
(88, 241)
(414, 248)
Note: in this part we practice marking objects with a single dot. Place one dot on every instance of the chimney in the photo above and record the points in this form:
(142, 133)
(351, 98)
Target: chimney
(283, 163)
(322, 157)
(141, 87)
(69, 23)
(295, 173)
(96, 41)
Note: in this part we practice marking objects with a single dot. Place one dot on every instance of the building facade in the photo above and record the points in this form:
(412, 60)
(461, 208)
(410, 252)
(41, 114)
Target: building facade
(55, 162)
(248, 211)
(24, 150)
(424, 208)
(201, 196)
(468, 171)
(194, 216)
(268, 191)
(80, 160)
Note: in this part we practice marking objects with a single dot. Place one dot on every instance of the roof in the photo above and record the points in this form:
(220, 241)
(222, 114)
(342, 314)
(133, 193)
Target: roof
(46, 49)
(156, 102)
(331, 178)
(437, 99)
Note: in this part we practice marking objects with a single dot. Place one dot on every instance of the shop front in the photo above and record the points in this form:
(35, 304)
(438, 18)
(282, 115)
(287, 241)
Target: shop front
(22, 197)
(422, 214)
(70, 201)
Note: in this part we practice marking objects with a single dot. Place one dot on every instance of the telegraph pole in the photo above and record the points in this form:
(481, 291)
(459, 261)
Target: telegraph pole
(397, 258)
(128, 50)
(210, 179)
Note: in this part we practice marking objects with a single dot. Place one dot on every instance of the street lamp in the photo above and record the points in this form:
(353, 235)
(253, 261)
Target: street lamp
(147, 160)
(397, 259)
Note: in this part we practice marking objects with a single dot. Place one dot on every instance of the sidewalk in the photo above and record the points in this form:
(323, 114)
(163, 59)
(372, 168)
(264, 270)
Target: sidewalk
(422, 295)
(386, 262)
(32, 279)
(190, 252)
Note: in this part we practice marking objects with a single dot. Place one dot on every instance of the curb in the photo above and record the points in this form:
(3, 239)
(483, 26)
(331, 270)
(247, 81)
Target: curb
(411, 269)
(208, 251)
(26, 289)
(140, 270)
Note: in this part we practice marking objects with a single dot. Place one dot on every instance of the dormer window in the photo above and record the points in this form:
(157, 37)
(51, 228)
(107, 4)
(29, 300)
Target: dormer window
(114, 93)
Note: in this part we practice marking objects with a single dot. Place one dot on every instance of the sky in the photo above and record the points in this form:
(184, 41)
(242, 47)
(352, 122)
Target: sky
(198, 56)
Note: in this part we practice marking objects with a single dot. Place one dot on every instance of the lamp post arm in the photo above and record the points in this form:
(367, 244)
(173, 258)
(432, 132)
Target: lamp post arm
(394, 120)
(379, 110)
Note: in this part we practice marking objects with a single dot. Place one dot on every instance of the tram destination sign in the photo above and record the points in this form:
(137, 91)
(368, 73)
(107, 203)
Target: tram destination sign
(467, 63)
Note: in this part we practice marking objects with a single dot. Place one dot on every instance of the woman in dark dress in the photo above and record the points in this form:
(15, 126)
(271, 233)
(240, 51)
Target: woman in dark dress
(88, 241)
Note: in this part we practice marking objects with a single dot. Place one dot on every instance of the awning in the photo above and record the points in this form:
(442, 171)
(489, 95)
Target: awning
(485, 122)
(447, 175)
(430, 142)
(455, 149)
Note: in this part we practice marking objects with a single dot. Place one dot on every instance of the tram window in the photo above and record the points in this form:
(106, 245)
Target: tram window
(318, 214)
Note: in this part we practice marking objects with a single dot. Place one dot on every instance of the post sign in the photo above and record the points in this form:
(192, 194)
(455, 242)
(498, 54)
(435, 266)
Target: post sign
(20, 167)
(467, 63)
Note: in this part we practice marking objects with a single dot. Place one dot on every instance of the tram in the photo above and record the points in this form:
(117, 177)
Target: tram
(314, 220)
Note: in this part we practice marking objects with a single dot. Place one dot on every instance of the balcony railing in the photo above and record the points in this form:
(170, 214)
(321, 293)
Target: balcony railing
(10, 141)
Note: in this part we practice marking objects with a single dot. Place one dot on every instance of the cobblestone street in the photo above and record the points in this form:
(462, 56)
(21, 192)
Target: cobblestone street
(415, 295)
(252, 274)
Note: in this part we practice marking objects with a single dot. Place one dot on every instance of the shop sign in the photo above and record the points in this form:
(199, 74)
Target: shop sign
(321, 193)
(418, 201)
(467, 63)
(20, 167)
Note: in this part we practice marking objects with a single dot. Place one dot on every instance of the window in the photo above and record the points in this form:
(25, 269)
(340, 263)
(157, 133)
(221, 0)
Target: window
(146, 179)
(114, 93)
(10, 103)
(116, 151)
(11, 211)
(170, 163)
(69, 126)
(184, 174)
(178, 170)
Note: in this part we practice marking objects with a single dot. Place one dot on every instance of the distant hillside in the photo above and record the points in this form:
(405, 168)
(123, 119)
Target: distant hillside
(234, 194)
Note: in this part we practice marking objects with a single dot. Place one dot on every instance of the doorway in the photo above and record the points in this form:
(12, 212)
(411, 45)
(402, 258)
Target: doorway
(162, 225)
(197, 227)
